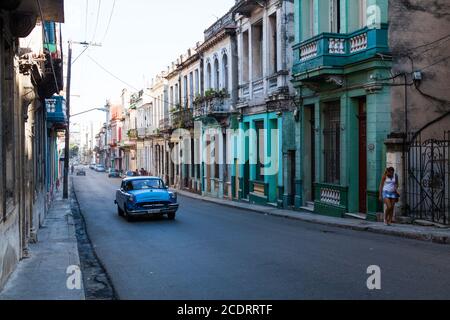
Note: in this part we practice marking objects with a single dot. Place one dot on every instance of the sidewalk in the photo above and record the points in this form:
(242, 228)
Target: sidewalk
(433, 234)
(43, 275)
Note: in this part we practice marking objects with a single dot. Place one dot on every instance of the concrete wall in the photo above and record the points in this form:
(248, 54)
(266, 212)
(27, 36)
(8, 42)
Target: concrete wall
(415, 28)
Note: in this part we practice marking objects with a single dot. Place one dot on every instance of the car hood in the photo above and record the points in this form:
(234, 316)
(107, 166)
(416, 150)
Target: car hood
(150, 195)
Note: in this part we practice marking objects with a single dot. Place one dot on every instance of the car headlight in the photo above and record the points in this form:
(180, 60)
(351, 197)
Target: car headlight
(132, 198)
(172, 194)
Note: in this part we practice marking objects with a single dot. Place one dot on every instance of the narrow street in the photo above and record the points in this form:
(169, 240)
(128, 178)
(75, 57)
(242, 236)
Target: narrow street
(215, 252)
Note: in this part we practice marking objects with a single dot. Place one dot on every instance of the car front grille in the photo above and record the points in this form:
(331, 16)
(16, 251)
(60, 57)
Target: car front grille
(153, 205)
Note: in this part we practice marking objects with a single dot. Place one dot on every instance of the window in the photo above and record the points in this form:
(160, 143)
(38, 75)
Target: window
(208, 76)
(332, 142)
(260, 149)
(335, 16)
(216, 75)
(308, 19)
(245, 57)
(172, 101)
(257, 50)
(225, 71)
(197, 82)
(185, 91)
(191, 88)
(362, 7)
(273, 50)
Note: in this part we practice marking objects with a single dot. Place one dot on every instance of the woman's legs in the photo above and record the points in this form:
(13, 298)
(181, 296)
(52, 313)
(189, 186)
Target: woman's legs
(388, 211)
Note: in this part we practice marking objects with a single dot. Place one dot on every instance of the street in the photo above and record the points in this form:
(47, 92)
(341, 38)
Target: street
(215, 252)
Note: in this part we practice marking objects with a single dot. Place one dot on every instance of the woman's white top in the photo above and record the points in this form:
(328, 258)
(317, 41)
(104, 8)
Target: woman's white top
(389, 185)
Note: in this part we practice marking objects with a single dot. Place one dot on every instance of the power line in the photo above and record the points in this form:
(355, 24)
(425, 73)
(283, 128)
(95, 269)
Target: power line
(129, 85)
(109, 21)
(75, 60)
(429, 44)
(86, 22)
(98, 18)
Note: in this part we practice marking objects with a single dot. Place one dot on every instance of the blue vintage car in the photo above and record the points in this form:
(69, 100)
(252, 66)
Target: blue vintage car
(140, 196)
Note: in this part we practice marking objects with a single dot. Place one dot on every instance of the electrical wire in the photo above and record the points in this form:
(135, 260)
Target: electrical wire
(98, 18)
(75, 60)
(86, 22)
(428, 44)
(109, 21)
(129, 85)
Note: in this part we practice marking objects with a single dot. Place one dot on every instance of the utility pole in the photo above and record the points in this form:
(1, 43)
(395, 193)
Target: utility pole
(67, 142)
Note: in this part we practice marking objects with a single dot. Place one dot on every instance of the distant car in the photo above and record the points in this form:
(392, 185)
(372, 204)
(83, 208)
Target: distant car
(130, 174)
(81, 172)
(100, 168)
(92, 166)
(113, 173)
(143, 196)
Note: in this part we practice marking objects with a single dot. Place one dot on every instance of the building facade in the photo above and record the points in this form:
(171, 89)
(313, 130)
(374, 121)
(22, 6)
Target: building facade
(265, 151)
(28, 127)
(419, 141)
(215, 106)
(342, 59)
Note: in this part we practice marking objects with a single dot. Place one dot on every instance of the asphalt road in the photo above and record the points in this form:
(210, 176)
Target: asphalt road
(215, 252)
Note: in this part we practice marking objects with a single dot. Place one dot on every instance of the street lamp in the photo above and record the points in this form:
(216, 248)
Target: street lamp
(90, 110)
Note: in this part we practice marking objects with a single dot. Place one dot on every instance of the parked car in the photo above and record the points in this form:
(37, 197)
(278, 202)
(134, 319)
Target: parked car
(143, 196)
(113, 173)
(130, 174)
(92, 166)
(81, 172)
(100, 168)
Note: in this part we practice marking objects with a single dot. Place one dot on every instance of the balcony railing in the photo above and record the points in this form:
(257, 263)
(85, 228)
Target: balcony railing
(244, 90)
(164, 124)
(132, 134)
(338, 50)
(215, 106)
(182, 118)
(141, 132)
(56, 110)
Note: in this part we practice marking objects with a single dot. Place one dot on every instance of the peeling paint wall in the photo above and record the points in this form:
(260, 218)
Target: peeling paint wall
(420, 41)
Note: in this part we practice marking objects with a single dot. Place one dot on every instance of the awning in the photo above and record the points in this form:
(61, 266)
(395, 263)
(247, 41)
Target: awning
(52, 10)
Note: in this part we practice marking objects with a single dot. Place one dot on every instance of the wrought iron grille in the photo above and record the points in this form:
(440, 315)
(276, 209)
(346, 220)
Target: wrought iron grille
(428, 179)
(332, 143)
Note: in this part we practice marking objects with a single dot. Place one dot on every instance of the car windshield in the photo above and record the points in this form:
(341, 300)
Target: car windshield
(143, 184)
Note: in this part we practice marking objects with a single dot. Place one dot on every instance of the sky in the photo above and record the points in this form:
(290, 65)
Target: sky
(143, 38)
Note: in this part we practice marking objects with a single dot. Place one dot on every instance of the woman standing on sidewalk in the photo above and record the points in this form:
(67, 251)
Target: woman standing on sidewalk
(389, 194)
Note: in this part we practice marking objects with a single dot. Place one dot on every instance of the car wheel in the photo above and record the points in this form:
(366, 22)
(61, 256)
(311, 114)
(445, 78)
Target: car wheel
(171, 216)
(119, 211)
(128, 217)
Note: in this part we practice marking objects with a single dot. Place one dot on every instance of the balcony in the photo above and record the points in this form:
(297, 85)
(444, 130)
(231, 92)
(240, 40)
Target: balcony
(132, 134)
(141, 132)
(164, 125)
(56, 111)
(182, 119)
(214, 104)
(328, 52)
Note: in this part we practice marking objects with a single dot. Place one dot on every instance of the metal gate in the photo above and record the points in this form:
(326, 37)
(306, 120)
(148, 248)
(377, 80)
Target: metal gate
(428, 179)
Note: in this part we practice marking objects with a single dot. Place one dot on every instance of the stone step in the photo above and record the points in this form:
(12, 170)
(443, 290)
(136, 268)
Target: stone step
(359, 216)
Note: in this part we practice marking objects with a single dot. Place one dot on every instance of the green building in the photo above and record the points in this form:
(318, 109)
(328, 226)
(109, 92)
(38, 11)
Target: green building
(341, 63)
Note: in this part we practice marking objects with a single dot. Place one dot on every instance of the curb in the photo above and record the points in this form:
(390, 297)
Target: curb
(440, 237)
(96, 281)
